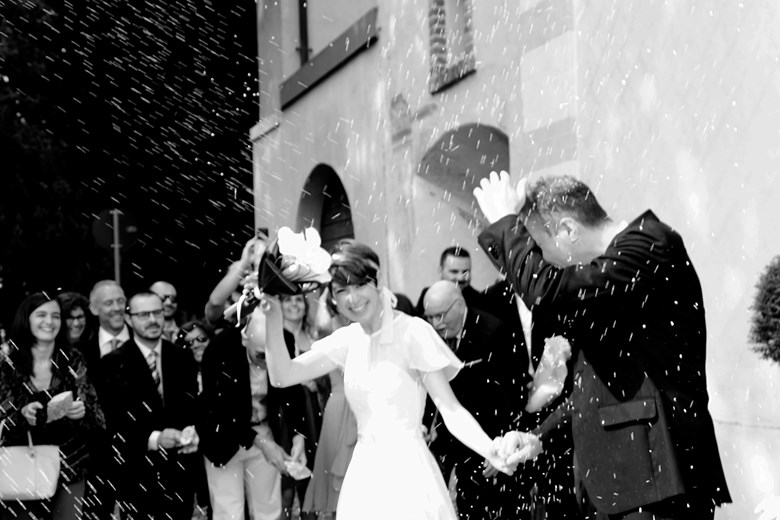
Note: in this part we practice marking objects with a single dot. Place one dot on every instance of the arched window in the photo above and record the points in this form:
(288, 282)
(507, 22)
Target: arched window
(325, 206)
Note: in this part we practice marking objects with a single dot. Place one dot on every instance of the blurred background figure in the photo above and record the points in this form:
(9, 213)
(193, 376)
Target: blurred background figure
(42, 365)
(226, 293)
(107, 303)
(5, 348)
(455, 266)
(296, 321)
(196, 335)
(338, 435)
(75, 314)
(167, 293)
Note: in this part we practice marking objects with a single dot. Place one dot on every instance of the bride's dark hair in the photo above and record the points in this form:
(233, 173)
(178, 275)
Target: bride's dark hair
(353, 263)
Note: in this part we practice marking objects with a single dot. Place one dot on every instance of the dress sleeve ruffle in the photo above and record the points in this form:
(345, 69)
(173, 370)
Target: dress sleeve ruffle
(427, 352)
(334, 346)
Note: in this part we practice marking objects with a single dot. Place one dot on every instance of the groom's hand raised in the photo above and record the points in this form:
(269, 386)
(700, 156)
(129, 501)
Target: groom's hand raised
(497, 197)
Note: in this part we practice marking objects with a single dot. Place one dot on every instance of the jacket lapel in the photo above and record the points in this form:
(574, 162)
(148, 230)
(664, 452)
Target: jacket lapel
(138, 365)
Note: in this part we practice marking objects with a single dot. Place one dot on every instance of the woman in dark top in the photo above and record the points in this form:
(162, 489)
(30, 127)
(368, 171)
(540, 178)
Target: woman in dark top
(299, 335)
(41, 366)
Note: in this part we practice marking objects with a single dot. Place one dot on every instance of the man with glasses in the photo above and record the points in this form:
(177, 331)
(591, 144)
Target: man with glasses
(168, 295)
(492, 387)
(150, 393)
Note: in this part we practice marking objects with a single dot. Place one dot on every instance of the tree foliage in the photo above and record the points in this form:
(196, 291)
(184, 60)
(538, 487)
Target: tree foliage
(143, 106)
(765, 329)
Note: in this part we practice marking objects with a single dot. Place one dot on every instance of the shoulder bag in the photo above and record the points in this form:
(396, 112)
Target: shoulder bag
(28, 472)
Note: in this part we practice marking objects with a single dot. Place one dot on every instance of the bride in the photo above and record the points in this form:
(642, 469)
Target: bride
(389, 360)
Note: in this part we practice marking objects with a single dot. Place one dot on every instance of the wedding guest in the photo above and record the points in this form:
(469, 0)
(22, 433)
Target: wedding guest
(167, 293)
(295, 313)
(246, 434)
(75, 313)
(228, 289)
(43, 366)
(337, 437)
(196, 336)
(455, 266)
(492, 386)
(107, 304)
(150, 394)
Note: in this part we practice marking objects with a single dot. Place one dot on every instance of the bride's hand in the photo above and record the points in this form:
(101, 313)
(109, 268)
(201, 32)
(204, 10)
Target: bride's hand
(499, 463)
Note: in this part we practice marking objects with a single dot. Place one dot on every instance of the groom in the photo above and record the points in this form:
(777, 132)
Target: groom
(628, 298)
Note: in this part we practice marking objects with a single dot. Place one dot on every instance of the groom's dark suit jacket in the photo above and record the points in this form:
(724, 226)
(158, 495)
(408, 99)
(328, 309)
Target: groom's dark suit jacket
(642, 431)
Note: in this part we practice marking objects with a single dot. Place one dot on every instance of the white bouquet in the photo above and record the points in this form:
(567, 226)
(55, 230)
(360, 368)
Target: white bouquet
(294, 263)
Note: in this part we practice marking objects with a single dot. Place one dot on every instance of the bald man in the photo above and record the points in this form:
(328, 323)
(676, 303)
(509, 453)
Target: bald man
(167, 293)
(492, 386)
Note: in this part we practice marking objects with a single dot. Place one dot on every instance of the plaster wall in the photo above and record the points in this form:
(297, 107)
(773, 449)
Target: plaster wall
(669, 105)
(678, 106)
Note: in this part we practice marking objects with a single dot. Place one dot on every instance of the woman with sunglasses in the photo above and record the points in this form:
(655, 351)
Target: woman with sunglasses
(196, 336)
(390, 360)
(41, 366)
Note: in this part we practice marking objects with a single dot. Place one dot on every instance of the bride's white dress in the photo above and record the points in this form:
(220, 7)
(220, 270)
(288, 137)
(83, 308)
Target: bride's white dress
(392, 474)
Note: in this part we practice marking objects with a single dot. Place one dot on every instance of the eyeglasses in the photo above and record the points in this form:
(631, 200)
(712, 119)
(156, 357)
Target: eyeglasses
(145, 315)
(170, 297)
(439, 317)
(199, 339)
(74, 318)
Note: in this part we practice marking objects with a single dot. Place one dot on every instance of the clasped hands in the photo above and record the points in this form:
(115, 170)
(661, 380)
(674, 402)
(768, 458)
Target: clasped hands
(277, 457)
(511, 450)
(185, 441)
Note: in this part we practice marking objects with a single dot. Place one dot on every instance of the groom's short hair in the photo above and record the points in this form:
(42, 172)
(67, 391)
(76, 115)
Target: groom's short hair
(563, 194)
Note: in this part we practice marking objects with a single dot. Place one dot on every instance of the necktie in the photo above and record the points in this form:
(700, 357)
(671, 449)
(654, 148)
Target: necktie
(151, 360)
(115, 343)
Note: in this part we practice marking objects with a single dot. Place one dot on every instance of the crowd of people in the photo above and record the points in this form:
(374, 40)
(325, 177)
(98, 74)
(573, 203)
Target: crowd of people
(572, 388)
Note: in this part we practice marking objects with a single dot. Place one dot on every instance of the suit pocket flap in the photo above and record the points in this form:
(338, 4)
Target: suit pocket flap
(629, 412)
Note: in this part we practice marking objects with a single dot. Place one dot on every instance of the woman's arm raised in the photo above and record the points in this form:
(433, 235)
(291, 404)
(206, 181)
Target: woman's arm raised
(265, 332)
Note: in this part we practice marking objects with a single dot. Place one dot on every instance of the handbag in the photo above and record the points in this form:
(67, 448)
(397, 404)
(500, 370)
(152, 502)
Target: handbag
(28, 472)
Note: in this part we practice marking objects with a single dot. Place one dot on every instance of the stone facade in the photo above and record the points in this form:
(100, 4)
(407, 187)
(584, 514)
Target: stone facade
(671, 105)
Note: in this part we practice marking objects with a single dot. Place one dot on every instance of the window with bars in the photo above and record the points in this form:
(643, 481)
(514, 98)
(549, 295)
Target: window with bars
(451, 42)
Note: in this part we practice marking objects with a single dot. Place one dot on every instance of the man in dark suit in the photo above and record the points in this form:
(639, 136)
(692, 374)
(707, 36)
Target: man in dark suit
(551, 474)
(492, 387)
(150, 387)
(630, 301)
(107, 303)
(455, 266)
